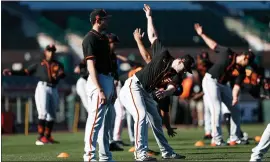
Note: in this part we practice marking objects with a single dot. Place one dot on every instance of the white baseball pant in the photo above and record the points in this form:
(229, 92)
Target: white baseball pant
(262, 147)
(46, 99)
(132, 96)
(99, 119)
(198, 106)
(142, 107)
(119, 118)
(216, 93)
(207, 115)
(81, 91)
(119, 115)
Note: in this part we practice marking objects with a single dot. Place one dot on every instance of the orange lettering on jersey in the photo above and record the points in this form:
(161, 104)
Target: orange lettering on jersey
(254, 78)
(55, 68)
(246, 80)
(235, 72)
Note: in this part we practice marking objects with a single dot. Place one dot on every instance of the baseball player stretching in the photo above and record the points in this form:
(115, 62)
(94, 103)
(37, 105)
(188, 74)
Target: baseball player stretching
(257, 86)
(49, 71)
(163, 104)
(136, 95)
(227, 66)
(99, 87)
(253, 82)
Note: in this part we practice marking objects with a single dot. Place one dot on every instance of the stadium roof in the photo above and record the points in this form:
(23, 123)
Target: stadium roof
(133, 5)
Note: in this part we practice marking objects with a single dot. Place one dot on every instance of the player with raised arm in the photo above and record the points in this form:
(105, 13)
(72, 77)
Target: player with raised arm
(136, 94)
(163, 104)
(229, 65)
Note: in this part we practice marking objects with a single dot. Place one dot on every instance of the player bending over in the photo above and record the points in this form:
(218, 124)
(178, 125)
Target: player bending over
(136, 94)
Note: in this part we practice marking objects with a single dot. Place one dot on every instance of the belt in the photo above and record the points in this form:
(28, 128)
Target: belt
(210, 75)
(48, 84)
(107, 73)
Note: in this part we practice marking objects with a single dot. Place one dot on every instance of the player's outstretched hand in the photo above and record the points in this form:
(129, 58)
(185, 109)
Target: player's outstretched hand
(171, 132)
(137, 34)
(147, 10)
(198, 29)
(6, 72)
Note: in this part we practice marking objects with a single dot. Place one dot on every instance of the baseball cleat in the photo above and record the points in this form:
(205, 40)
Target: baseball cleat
(42, 141)
(174, 156)
(115, 147)
(245, 136)
(122, 143)
(146, 158)
(239, 142)
(219, 143)
(39, 143)
(52, 141)
(207, 136)
(255, 160)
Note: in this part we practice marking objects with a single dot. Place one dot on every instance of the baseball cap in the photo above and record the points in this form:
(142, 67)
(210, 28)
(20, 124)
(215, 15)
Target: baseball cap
(113, 38)
(98, 14)
(250, 55)
(188, 62)
(50, 47)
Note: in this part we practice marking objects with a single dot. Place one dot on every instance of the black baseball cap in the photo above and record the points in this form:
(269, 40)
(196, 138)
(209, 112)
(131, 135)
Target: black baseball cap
(98, 14)
(188, 62)
(250, 55)
(113, 38)
(50, 47)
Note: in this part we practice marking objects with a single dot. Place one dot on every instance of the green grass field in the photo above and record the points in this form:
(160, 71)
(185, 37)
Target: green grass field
(23, 148)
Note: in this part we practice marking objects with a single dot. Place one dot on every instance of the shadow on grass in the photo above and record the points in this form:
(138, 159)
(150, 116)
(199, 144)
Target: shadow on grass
(216, 152)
